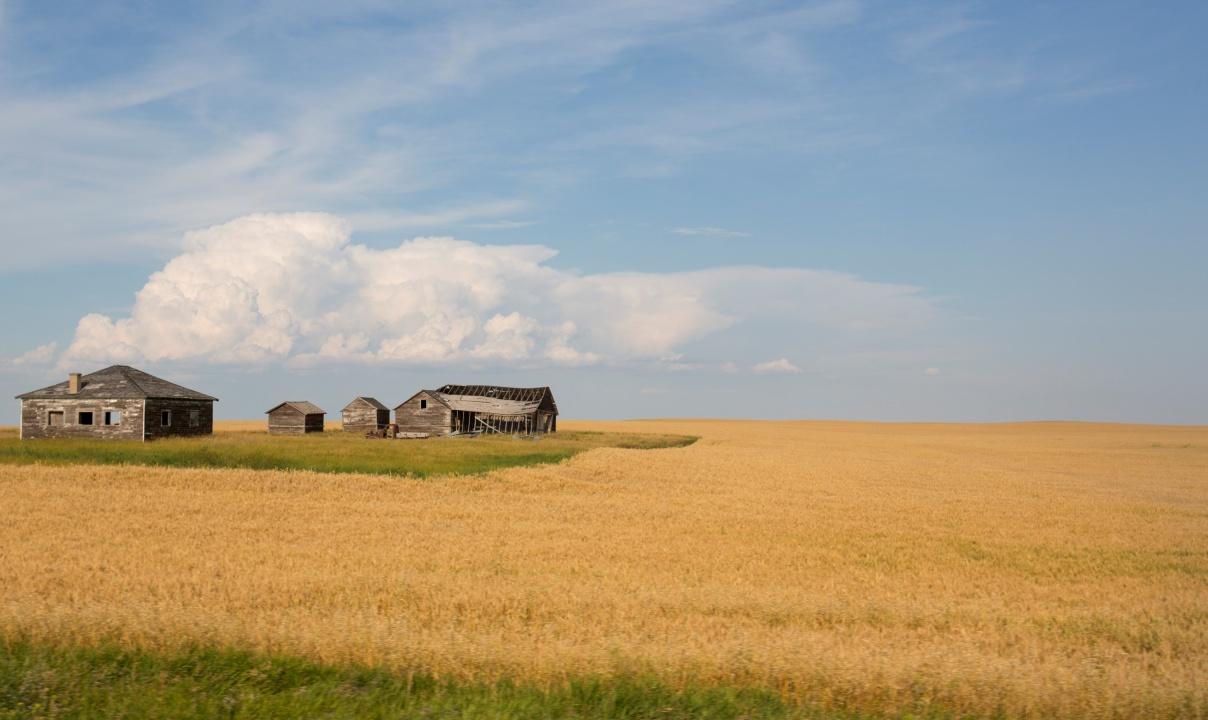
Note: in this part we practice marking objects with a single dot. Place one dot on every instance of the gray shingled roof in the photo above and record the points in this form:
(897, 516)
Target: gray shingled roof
(302, 406)
(368, 400)
(116, 382)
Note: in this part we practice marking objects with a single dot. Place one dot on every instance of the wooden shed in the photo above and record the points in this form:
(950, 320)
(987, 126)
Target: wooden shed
(364, 414)
(470, 409)
(295, 417)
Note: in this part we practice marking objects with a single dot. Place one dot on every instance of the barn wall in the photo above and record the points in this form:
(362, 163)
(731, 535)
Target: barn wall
(181, 425)
(437, 419)
(288, 421)
(34, 419)
(363, 417)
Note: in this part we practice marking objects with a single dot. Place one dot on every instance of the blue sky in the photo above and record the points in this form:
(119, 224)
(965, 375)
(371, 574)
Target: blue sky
(931, 211)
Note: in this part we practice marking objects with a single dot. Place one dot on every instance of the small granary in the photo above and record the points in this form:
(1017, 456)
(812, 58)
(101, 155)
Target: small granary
(295, 417)
(465, 409)
(364, 414)
(119, 402)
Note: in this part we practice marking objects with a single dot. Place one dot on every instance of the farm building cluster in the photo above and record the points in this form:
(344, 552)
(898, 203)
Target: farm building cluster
(451, 410)
(122, 402)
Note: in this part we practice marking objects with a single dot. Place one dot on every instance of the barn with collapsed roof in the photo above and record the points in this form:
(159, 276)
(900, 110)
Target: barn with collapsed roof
(467, 409)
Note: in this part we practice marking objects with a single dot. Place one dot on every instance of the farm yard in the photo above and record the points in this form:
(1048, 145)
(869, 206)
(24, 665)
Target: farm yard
(769, 569)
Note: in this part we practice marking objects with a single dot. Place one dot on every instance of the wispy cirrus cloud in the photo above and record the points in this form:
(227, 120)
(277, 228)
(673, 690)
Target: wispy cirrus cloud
(779, 366)
(709, 231)
(365, 109)
(503, 224)
(398, 220)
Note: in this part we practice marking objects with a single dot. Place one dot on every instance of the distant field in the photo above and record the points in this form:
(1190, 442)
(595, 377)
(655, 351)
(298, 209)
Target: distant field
(1043, 570)
(245, 444)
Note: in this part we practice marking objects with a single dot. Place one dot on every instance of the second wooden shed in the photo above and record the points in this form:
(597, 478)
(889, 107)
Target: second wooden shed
(364, 414)
(295, 417)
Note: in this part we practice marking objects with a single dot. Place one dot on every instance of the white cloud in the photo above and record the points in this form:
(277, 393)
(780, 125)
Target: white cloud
(38, 356)
(295, 288)
(709, 231)
(780, 366)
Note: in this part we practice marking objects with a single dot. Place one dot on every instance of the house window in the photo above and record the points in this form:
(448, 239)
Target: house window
(194, 418)
(165, 418)
(112, 417)
(54, 418)
(84, 417)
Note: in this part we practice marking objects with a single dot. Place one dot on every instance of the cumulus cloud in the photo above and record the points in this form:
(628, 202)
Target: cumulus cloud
(296, 288)
(780, 366)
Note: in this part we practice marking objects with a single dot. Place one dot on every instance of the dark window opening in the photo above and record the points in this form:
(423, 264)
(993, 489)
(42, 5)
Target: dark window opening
(113, 417)
(54, 418)
(84, 418)
(165, 418)
(423, 404)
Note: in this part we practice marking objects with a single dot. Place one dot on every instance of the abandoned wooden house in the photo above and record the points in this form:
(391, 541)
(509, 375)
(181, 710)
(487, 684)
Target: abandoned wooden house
(364, 414)
(467, 409)
(295, 417)
(118, 402)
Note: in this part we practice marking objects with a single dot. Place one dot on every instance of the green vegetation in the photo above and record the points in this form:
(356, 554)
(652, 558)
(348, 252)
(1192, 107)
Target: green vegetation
(330, 451)
(46, 681)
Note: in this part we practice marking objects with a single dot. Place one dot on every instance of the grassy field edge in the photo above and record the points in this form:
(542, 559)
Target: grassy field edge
(332, 452)
(40, 680)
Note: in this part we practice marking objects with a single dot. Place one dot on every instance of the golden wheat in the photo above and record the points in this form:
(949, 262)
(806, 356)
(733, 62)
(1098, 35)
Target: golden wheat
(1052, 569)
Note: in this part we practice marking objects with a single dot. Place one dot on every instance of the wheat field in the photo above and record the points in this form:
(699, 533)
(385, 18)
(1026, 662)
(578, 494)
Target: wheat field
(1046, 569)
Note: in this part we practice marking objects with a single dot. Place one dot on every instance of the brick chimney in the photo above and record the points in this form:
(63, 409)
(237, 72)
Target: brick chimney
(73, 383)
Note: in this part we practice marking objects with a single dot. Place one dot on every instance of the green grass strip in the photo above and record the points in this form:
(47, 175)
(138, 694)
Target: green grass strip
(48, 681)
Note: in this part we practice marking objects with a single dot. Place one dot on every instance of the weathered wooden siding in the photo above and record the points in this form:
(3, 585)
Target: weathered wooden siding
(547, 410)
(436, 419)
(288, 421)
(34, 417)
(181, 424)
(363, 417)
